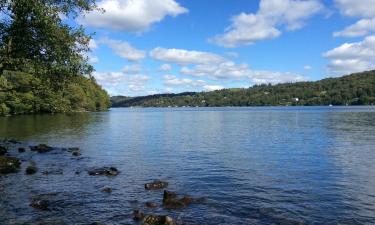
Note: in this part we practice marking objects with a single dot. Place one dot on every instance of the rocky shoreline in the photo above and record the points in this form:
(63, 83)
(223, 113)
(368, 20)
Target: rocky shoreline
(10, 164)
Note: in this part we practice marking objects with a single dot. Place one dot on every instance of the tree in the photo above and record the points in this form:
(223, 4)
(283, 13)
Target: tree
(35, 40)
(43, 67)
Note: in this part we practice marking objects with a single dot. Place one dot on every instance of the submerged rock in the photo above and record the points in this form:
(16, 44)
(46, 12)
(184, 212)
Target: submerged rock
(20, 150)
(9, 165)
(53, 172)
(138, 215)
(40, 204)
(31, 169)
(41, 148)
(157, 184)
(76, 153)
(157, 220)
(73, 149)
(48, 201)
(171, 200)
(151, 205)
(107, 171)
(107, 190)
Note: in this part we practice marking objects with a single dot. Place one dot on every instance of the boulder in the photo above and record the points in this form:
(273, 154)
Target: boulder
(157, 220)
(41, 148)
(9, 165)
(157, 184)
(106, 171)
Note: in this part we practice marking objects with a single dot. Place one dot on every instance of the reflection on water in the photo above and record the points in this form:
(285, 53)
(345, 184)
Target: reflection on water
(254, 165)
(28, 126)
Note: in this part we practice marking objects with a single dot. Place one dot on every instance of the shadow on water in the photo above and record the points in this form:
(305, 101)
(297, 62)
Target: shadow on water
(25, 127)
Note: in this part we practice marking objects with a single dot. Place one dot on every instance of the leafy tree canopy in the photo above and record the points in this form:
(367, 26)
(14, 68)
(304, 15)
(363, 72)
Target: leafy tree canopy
(43, 62)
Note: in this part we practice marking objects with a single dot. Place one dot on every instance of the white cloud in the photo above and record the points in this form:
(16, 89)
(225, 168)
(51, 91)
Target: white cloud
(360, 28)
(352, 57)
(357, 8)
(171, 80)
(132, 69)
(131, 15)
(165, 67)
(184, 57)
(117, 83)
(92, 59)
(233, 54)
(307, 67)
(231, 71)
(273, 15)
(224, 70)
(93, 44)
(266, 77)
(212, 87)
(124, 49)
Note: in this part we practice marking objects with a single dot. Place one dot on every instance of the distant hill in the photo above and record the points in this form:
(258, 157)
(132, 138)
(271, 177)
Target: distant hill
(354, 89)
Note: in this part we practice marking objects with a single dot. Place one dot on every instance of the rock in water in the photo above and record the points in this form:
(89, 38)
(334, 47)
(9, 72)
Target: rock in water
(9, 165)
(138, 215)
(20, 150)
(42, 148)
(53, 172)
(31, 169)
(107, 171)
(107, 190)
(171, 200)
(157, 184)
(3, 150)
(40, 204)
(157, 220)
(168, 196)
(74, 149)
(151, 205)
(75, 153)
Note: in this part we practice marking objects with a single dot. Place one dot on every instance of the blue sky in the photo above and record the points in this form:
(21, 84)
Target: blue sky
(143, 47)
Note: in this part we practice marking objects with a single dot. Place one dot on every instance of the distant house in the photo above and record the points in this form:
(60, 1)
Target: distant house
(295, 99)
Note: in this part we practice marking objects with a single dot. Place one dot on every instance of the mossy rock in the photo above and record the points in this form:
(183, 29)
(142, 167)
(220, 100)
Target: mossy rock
(9, 165)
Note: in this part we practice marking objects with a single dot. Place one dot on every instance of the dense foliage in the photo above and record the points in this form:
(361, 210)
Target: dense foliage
(43, 62)
(355, 89)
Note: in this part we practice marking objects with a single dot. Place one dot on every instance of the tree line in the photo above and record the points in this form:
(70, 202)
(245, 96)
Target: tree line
(354, 89)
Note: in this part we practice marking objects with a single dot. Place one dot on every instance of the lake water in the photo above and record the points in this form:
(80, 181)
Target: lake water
(271, 165)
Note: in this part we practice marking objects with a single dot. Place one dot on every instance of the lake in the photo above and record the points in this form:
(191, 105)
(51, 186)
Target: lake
(266, 165)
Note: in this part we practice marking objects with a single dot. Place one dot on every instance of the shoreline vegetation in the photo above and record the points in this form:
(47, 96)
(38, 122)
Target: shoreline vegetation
(354, 89)
(44, 65)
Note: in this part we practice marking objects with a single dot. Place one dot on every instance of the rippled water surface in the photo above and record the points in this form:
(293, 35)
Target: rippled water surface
(253, 165)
